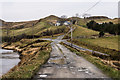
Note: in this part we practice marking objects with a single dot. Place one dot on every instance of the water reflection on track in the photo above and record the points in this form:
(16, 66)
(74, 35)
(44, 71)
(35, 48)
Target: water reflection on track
(65, 64)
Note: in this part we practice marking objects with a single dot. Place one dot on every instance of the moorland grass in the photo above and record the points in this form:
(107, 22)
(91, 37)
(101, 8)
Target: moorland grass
(106, 42)
(30, 63)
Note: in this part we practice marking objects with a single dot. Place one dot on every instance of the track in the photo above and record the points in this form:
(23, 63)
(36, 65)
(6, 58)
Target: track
(65, 64)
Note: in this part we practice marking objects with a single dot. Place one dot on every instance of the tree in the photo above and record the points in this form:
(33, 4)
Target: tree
(115, 29)
(118, 29)
(105, 27)
(91, 24)
(110, 22)
(77, 15)
(74, 21)
(101, 34)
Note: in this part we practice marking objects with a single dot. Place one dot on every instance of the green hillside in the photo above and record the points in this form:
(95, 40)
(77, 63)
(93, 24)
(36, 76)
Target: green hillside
(82, 32)
(105, 42)
(84, 21)
(90, 37)
(41, 28)
(51, 17)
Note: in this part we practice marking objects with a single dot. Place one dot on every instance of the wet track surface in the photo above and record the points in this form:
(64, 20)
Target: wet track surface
(65, 64)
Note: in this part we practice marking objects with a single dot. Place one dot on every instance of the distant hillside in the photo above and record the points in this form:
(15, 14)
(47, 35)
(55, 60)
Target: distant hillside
(38, 28)
(51, 17)
(115, 21)
(18, 25)
(1, 20)
(97, 17)
(26, 24)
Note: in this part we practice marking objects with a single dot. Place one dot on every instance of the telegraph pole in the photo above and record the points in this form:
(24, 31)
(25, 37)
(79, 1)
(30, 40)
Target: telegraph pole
(73, 22)
(13, 33)
(33, 30)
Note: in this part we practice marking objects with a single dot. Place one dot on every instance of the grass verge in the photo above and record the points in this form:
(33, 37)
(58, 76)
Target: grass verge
(108, 70)
(114, 54)
(30, 63)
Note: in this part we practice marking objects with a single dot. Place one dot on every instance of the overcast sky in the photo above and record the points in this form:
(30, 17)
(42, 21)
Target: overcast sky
(33, 9)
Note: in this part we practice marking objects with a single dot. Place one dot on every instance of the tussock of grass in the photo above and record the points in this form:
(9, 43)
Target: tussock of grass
(29, 65)
(34, 53)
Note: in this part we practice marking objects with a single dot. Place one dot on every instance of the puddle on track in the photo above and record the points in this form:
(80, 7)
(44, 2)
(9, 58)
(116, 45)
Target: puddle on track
(62, 65)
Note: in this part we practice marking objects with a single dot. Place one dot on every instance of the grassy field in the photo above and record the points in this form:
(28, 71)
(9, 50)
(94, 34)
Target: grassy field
(110, 42)
(90, 40)
(106, 68)
(28, 31)
(39, 27)
(81, 31)
(106, 42)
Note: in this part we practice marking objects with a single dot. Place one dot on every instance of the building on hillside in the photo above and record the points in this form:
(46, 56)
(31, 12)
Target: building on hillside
(100, 23)
(57, 24)
(52, 22)
(66, 23)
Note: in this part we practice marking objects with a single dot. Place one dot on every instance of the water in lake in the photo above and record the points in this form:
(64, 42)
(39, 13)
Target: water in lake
(8, 59)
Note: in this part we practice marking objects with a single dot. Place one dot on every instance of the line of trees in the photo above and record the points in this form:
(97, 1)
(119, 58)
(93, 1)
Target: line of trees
(18, 37)
(105, 27)
(50, 32)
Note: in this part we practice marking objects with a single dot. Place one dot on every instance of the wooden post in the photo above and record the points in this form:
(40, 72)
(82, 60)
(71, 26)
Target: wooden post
(33, 30)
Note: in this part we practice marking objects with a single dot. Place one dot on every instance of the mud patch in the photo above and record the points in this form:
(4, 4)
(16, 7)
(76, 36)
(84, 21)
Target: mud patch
(57, 61)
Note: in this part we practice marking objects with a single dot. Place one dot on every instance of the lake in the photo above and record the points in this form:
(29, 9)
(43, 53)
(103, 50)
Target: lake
(8, 59)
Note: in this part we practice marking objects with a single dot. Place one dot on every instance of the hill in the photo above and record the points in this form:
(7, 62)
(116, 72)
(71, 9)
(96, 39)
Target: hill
(81, 31)
(88, 38)
(16, 25)
(26, 24)
(98, 17)
(37, 28)
(51, 17)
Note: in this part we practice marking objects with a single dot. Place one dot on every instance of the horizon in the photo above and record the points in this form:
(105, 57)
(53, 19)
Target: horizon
(48, 16)
(27, 11)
